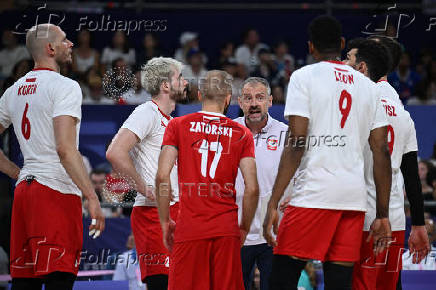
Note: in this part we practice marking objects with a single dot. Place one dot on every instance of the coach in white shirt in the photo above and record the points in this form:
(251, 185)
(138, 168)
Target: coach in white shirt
(269, 135)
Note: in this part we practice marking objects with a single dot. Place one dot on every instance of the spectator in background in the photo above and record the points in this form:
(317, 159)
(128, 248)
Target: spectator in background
(150, 48)
(194, 72)
(188, 42)
(266, 68)
(424, 168)
(425, 59)
(404, 79)
(137, 95)
(127, 267)
(84, 57)
(230, 67)
(226, 55)
(119, 49)
(427, 263)
(432, 159)
(285, 64)
(308, 278)
(278, 95)
(423, 91)
(92, 89)
(11, 54)
(241, 74)
(247, 53)
(20, 69)
(98, 180)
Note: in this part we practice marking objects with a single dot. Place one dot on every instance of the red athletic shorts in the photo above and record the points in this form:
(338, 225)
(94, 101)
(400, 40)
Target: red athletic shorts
(46, 231)
(207, 264)
(320, 234)
(152, 254)
(379, 272)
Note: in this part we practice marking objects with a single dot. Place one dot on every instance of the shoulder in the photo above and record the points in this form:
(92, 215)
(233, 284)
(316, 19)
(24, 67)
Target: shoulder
(239, 120)
(278, 125)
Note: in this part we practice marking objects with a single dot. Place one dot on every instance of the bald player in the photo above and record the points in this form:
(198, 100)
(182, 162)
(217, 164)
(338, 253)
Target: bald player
(209, 148)
(45, 109)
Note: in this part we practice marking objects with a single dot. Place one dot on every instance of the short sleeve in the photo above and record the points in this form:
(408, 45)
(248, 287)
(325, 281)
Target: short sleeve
(248, 145)
(5, 118)
(141, 121)
(379, 117)
(297, 98)
(410, 141)
(171, 134)
(68, 100)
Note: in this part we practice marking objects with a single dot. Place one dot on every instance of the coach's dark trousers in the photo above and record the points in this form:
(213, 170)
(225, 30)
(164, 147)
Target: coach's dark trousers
(260, 255)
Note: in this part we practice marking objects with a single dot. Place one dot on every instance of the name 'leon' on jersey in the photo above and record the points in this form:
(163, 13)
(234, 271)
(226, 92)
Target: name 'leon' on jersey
(339, 103)
(30, 104)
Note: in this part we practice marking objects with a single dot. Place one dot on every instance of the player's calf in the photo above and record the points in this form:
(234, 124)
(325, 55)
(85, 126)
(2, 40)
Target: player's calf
(285, 272)
(337, 277)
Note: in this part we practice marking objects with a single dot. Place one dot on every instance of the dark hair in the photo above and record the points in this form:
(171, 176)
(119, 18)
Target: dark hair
(374, 54)
(393, 47)
(325, 34)
(126, 47)
(98, 171)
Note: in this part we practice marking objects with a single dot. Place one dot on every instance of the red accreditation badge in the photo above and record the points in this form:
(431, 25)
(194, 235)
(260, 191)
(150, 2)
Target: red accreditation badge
(272, 143)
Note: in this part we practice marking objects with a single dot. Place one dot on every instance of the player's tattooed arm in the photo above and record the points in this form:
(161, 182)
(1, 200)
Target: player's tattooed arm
(167, 159)
(7, 166)
(118, 155)
(290, 160)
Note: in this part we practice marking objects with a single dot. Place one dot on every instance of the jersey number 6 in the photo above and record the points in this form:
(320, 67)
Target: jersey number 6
(345, 110)
(204, 151)
(25, 124)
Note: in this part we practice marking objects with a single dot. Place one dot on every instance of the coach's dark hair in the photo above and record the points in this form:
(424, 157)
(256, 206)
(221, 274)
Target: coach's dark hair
(98, 171)
(393, 47)
(325, 33)
(375, 55)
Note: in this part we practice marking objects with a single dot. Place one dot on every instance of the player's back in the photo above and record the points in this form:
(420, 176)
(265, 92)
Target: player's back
(401, 140)
(210, 147)
(342, 109)
(30, 105)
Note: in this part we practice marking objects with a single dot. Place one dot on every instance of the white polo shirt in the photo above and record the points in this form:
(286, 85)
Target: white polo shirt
(30, 105)
(148, 123)
(268, 150)
(401, 140)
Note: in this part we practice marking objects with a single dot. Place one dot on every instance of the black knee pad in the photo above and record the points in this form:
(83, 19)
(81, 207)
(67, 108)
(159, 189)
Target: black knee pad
(157, 282)
(337, 277)
(26, 284)
(285, 272)
(59, 281)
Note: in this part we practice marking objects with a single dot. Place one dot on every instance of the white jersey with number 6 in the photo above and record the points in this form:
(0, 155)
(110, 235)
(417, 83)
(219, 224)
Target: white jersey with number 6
(342, 107)
(30, 105)
(401, 140)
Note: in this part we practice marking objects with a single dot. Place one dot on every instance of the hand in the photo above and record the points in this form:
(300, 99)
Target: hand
(284, 204)
(271, 222)
(419, 245)
(168, 234)
(97, 218)
(243, 236)
(380, 231)
(147, 191)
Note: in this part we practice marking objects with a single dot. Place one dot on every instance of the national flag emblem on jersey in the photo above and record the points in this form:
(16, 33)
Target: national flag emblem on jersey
(272, 143)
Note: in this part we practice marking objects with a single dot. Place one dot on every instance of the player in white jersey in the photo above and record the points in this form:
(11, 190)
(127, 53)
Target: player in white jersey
(333, 111)
(134, 152)
(382, 271)
(269, 138)
(45, 109)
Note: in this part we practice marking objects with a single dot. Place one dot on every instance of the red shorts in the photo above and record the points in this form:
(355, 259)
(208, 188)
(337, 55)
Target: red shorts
(207, 264)
(320, 234)
(152, 254)
(379, 272)
(46, 231)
